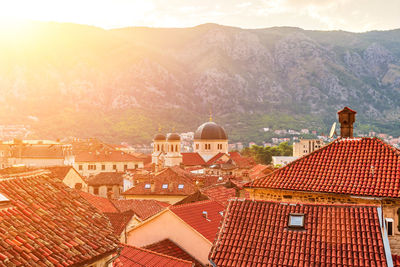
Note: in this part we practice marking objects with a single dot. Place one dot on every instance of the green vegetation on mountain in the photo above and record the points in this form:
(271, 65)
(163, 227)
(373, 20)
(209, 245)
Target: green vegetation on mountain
(123, 84)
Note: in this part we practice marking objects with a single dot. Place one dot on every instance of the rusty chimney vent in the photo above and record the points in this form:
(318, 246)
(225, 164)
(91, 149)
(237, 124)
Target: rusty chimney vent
(347, 117)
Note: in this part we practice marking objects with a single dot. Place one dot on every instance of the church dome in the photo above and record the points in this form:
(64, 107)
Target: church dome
(159, 137)
(210, 131)
(173, 137)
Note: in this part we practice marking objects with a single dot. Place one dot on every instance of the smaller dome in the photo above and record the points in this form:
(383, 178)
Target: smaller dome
(173, 137)
(159, 137)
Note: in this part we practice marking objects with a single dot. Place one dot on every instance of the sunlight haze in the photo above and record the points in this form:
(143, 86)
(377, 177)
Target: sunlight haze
(356, 16)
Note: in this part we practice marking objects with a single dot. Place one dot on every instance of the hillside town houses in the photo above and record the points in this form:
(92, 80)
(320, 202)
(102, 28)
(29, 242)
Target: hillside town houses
(88, 203)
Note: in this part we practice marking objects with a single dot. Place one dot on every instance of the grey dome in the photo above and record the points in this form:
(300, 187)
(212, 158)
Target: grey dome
(173, 137)
(159, 137)
(210, 131)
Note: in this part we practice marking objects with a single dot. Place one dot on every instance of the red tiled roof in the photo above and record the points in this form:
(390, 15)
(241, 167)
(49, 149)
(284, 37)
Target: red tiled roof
(138, 257)
(169, 176)
(214, 160)
(167, 247)
(242, 162)
(143, 208)
(396, 260)
(256, 233)
(107, 178)
(106, 156)
(192, 214)
(104, 205)
(38, 151)
(259, 170)
(192, 159)
(357, 166)
(219, 193)
(120, 220)
(48, 223)
(60, 171)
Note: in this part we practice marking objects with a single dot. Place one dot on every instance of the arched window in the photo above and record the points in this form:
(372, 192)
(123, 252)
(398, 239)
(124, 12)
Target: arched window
(398, 219)
(158, 147)
(176, 148)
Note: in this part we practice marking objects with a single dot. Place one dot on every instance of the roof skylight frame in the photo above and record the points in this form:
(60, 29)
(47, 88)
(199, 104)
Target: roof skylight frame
(165, 186)
(181, 186)
(147, 186)
(296, 220)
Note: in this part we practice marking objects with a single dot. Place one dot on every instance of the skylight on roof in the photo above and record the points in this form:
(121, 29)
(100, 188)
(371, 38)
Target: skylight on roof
(147, 186)
(165, 186)
(296, 220)
(3, 199)
(180, 186)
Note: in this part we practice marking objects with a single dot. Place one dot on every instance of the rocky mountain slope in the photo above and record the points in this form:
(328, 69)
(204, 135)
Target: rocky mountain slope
(122, 84)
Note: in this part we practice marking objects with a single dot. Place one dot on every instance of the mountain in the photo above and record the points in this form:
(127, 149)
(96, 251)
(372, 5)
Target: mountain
(124, 84)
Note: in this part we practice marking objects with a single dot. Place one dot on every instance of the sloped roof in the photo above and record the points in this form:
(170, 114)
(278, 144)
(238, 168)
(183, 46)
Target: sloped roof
(38, 151)
(168, 176)
(259, 170)
(240, 161)
(356, 166)
(107, 178)
(120, 220)
(256, 233)
(49, 223)
(192, 214)
(60, 171)
(104, 205)
(138, 257)
(106, 156)
(143, 208)
(219, 193)
(192, 159)
(167, 247)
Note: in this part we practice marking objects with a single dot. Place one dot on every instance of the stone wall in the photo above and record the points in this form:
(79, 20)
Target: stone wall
(389, 206)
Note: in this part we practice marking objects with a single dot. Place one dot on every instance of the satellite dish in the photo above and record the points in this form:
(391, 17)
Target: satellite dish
(332, 132)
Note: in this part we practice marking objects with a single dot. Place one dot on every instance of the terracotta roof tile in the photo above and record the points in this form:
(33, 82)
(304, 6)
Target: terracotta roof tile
(219, 193)
(138, 257)
(192, 159)
(107, 178)
(192, 214)
(396, 260)
(143, 208)
(120, 220)
(356, 166)
(256, 233)
(167, 247)
(170, 176)
(49, 223)
(106, 156)
(104, 205)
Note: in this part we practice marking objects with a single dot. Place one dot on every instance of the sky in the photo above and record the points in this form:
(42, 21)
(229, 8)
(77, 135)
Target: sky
(348, 15)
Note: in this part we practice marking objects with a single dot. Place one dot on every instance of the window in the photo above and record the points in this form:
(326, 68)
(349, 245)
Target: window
(80, 167)
(197, 146)
(165, 186)
(136, 166)
(103, 167)
(158, 147)
(147, 186)
(176, 148)
(180, 186)
(389, 226)
(219, 146)
(114, 167)
(92, 167)
(95, 190)
(296, 220)
(125, 167)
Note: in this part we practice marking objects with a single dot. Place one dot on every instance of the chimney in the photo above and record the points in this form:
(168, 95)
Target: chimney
(347, 117)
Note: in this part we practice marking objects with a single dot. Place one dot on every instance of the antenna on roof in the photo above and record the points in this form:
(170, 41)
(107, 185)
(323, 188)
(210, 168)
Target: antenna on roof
(333, 130)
